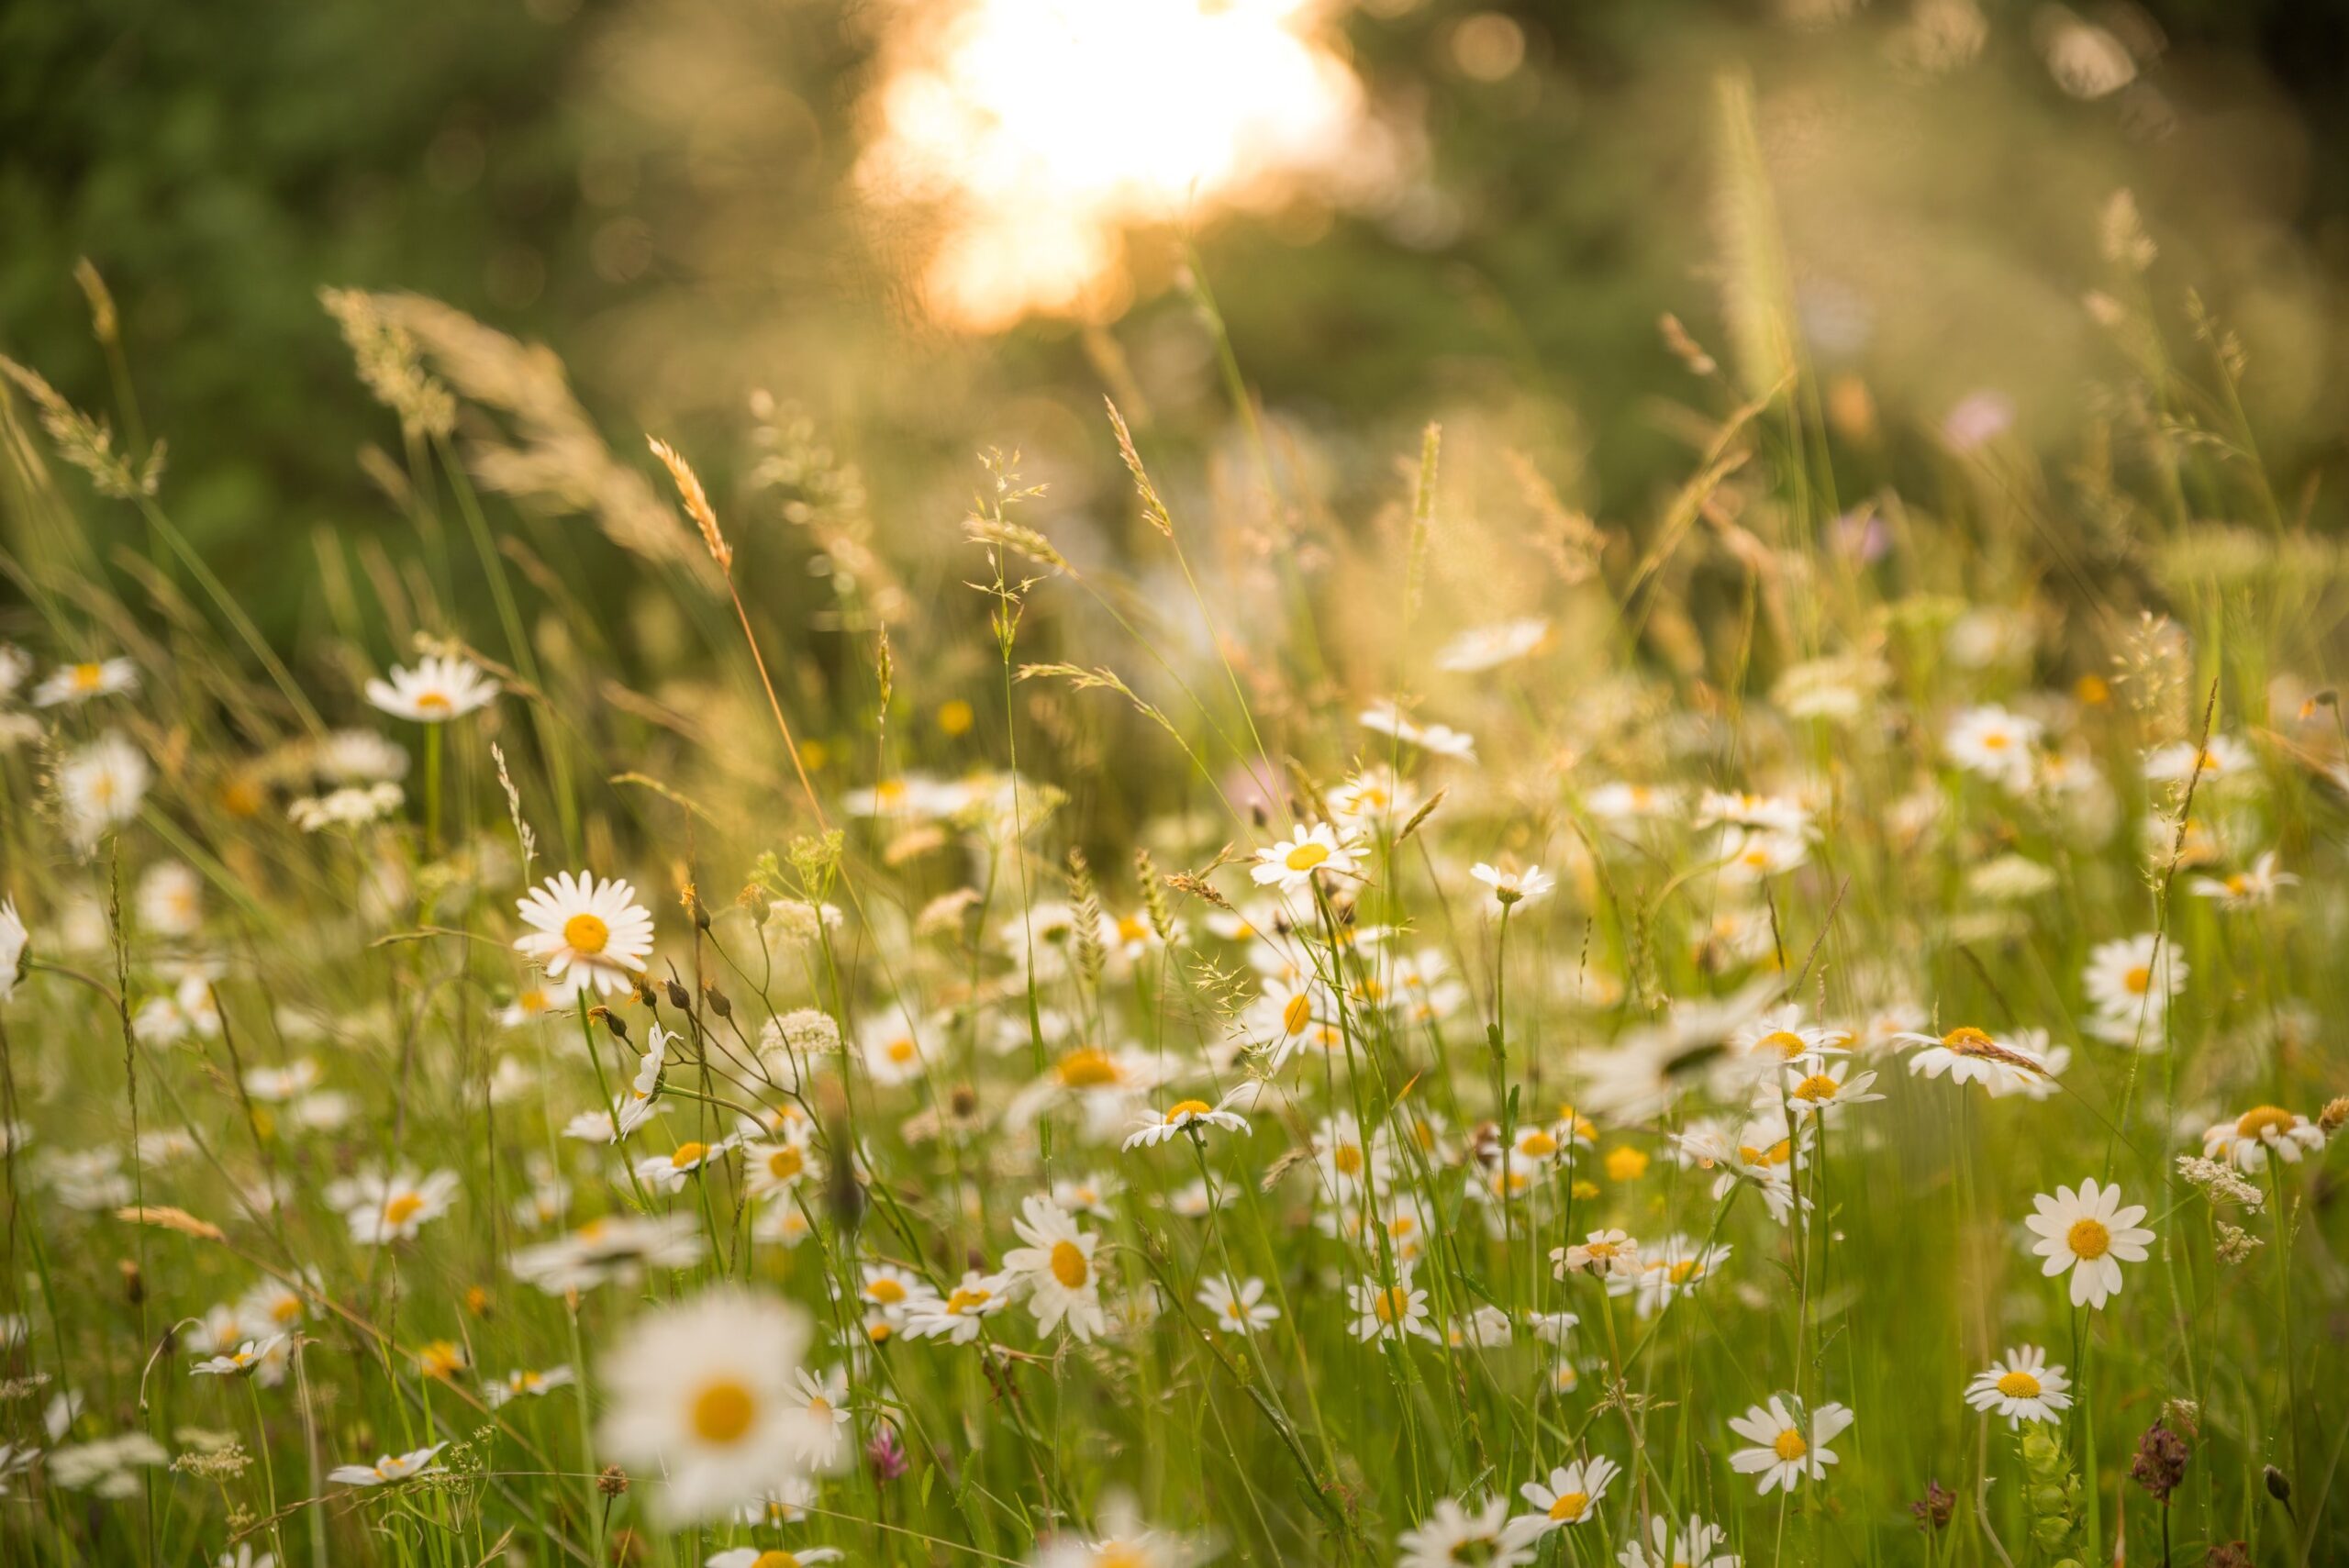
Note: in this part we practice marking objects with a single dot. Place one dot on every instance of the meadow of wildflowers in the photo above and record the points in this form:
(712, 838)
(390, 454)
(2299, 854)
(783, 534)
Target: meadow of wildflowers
(1801, 1028)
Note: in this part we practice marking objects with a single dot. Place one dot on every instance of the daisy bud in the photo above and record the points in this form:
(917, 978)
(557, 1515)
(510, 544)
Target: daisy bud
(718, 1002)
(611, 1020)
(679, 997)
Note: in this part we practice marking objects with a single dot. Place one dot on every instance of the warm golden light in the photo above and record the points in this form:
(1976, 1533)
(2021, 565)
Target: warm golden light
(1036, 132)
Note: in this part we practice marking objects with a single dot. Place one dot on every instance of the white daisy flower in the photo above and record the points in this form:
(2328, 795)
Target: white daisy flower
(671, 1172)
(1786, 1450)
(14, 939)
(1512, 887)
(1294, 862)
(2258, 884)
(2022, 1387)
(895, 1293)
(1694, 1545)
(956, 1315)
(1667, 1269)
(1239, 1308)
(525, 1383)
(1619, 804)
(1489, 647)
(243, 1359)
(101, 786)
(594, 930)
(1751, 855)
(774, 1557)
(2135, 976)
(2090, 1233)
(171, 900)
(2222, 760)
(1436, 739)
(1387, 1312)
(2022, 1065)
(1153, 1128)
(1451, 1537)
(436, 690)
(701, 1393)
(1994, 744)
(385, 1471)
(1827, 1089)
(2247, 1141)
(821, 1444)
(381, 1209)
(890, 1048)
(80, 682)
(1602, 1252)
(1056, 1267)
(1573, 1492)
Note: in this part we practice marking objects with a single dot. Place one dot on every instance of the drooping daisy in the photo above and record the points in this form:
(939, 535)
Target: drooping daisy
(1693, 1545)
(2256, 885)
(1970, 1055)
(1786, 1450)
(1389, 1312)
(2221, 760)
(956, 1315)
(702, 1395)
(1153, 1128)
(1571, 1495)
(101, 786)
(1513, 887)
(80, 682)
(1239, 1308)
(1602, 1252)
(583, 928)
(1832, 1087)
(1489, 647)
(1994, 744)
(2090, 1233)
(390, 1468)
(1056, 1266)
(2022, 1387)
(2247, 1141)
(1294, 862)
(637, 1102)
(1451, 1536)
(438, 690)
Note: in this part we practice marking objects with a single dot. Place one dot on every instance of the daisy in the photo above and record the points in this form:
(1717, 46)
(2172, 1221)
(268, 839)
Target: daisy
(1619, 804)
(2090, 1233)
(243, 1359)
(1239, 1308)
(668, 1173)
(635, 1103)
(752, 1557)
(523, 1383)
(2222, 760)
(2133, 977)
(596, 929)
(1152, 1127)
(890, 1049)
(102, 785)
(2247, 1140)
(1689, 1548)
(897, 1293)
(2022, 1387)
(1512, 887)
(436, 690)
(1387, 1312)
(614, 1250)
(1786, 1450)
(394, 1207)
(1768, 813)
(171, 900)
(80, 682)
(1371, 798)
(2246, 889)
(955, 1317)
(701, 1393)
(1603, 1252)
(825, 1400)
(1278, 1020)
(1750, 854)
(385, 1471)
(1489, 647)
(1994, 744)
(1451, 1536)
(1780, 1037)
(1440, 739)
(1970, 1055)
(1056, 1267)
(1292, 862)
(532, 1003)
(1573, 1492)
(773, 1169)
(1666, 1270)
(1828, 1089)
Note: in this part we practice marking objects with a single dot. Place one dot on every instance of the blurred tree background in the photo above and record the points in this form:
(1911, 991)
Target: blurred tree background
(665, 192)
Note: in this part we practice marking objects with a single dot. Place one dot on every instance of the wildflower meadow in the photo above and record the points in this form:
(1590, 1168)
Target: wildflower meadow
(1350, 1007)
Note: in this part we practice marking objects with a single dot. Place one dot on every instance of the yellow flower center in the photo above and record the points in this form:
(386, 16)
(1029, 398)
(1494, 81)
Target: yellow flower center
(1391, 1305)
(1967, 1040)
(1347, 1158)
(1087, 1068)
(1626, 1163)
(1297, 1013)
(433, 702)
(777, 1557)
(785, 1163)
(900, 1051)
(886, 1291)
(1785, 1043)
(2019, 1385)
(1187, 1108)
(402, 1208)
(88, 677)
(722, 1412)
(1130, 929)
(2263, 1119)
(1538, 1144)
(1570, 1507)
(2089, 1239)
(686, 1155)
(585, 934)
(967, 1298)
(2139, 980)
(1306, 856)
(1791, 1446)
(1996, 741)
(1602, 1250)
(1682, 1272)
(1817, 1087)
(1070, 1265)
